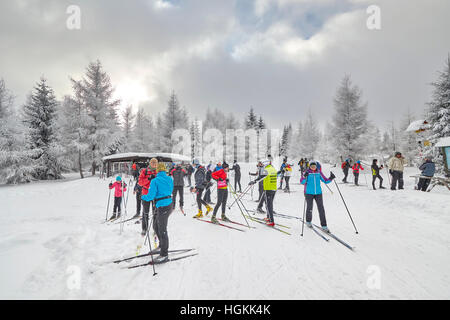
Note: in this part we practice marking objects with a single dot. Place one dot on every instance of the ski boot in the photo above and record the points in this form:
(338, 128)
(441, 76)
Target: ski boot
(113, 217)
(270, 224)
(325, 228)
(259, 210)
(214, 219)
(225, 218)
(381, 187)
(199, 214)
(308, 224)
(208, 210)
(161, 259)
(137, 215)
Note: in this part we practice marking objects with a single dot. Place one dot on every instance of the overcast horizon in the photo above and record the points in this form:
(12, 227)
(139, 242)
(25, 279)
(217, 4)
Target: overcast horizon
(281, 57)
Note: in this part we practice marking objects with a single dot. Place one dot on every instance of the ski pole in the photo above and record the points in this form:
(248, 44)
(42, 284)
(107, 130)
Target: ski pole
(304, 210)
(346, 206)
(237, 199)
(239, 196)
(150, 245)
(107, 207)
(329, 188)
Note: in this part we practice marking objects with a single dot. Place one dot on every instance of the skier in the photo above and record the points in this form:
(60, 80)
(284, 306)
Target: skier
(300, 164)
(135, 171)
(222, 192)
(281, 172)
(138, 192)
(259, 173)
(200, 184)
(178, 175)
(145, 177)
(345, 167)
(160, 193)
(428, 169)
(376, 174)
(237, 175)
(189, 170)
(356, 168)
(287, 176)
(313, 191)
(118, 195)
(269, 179)
(396, 165)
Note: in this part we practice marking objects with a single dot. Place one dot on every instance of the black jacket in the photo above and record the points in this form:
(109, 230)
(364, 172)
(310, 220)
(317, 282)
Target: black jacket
(237, 170)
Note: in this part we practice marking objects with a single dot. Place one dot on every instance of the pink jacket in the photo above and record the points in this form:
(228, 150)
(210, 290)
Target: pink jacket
(118, 188)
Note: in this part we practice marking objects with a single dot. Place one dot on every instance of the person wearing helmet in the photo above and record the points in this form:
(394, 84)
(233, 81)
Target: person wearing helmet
(396, 165)
(313, 191)
(119, 188)
(200, 185)
(356, 167)
(269, 179)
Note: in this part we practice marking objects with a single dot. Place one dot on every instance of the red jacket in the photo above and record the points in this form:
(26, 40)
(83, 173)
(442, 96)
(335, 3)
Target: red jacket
(220, 174)
(356, 167)
(145, 178)
(118, 192)
(134, 167)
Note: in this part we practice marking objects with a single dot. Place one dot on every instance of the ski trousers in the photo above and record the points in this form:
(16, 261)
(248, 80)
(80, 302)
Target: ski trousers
(160, 220)
(287, 182)
(423, 184)
(117, 205)
(356, 174)
(180, 190)
(237, 181)
(309, 208)
(138, 202)
(146, 211)
(397, 177)
(374, 178)
(207, 196)
(200, 201)
(222, 195)
(345, 175)
(269, 196)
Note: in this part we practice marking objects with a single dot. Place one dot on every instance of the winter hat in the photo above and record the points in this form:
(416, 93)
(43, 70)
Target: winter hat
(225, 165)
(398, 153)
(196, 162)
(118, 178)
(312, 162)
(161, 167)
(358, 162)
(265, 163)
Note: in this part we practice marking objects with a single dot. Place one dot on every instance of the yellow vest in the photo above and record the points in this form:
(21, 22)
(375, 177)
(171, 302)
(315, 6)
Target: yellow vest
(270, 182)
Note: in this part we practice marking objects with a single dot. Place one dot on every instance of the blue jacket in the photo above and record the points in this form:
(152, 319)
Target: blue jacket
(312, 182)
(428, 169)
(161, 186)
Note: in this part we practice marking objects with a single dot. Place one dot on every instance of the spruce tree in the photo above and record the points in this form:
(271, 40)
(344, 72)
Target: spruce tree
(175, 117)
(40, 116)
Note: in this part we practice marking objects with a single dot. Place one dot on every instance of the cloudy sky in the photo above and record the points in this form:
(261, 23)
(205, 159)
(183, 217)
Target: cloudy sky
(282, 57)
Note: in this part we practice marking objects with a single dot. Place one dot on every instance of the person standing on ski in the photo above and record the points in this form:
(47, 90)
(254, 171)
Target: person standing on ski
(269, 179)
(178, 175)
(376, 174)
(259, 172)
(237, 175)
(345, 167)
(313, 191)
(356, 168)
(208, 178)
(281, 173)
(200, 184)
(119, 189)
(428, 169)
(160, 192)
(396, 165)
(189, 170)
(287, 176)
(222, 192)
(145, 177)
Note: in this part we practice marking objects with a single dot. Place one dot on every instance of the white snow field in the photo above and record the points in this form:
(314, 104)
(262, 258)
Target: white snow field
(49, 230)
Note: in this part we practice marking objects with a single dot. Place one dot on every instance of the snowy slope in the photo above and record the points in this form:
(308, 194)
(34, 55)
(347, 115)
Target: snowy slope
(47, 227)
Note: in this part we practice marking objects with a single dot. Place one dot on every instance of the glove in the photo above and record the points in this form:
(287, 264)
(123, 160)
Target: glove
(110, 184)
(332, 176)
(227, 180)
(251, 183)
(306, 174)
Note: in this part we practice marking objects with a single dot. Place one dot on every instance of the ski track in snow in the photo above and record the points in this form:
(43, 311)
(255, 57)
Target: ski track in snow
(47, 227)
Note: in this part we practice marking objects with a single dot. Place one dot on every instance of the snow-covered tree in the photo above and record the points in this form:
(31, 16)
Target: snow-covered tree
(96, 94)
(251, 121)
(438, 113)
(13, 158)
(128, 118)
(286, 140)
(39, 114)
(350, 119)
(310, 137)
(408, 142)
(196, 138)
(143, 133)
(175, 117)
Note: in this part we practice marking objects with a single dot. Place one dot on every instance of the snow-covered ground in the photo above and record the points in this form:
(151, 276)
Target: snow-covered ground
(49, 230)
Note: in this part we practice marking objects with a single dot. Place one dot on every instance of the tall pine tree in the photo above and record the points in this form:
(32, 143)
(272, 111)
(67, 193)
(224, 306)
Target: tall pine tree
(175, 117)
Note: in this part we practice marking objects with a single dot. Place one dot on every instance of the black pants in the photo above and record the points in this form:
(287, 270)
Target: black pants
(281, 182)
(178, 189)
(189, 179)
(117, 205)
(374, 178)
(222, 195)
(261, 192)
(161, 218)
(269, 196)
(356, 174)
(200, 201)
(309, 208)
(138, 202)
(345, 175)
(397, 176)
(146, 211)
(287, 182)
(207, 196)
(237, 181)
(423, 184)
